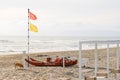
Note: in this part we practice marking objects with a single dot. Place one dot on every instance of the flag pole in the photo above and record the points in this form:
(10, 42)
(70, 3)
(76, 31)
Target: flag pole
(28, 36)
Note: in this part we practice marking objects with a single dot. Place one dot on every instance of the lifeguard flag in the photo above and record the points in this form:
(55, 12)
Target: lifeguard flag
(33, 28)
(32, 16)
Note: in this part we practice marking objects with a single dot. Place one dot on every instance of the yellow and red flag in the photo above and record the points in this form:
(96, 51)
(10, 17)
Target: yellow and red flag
(33, 28)
(32, 16)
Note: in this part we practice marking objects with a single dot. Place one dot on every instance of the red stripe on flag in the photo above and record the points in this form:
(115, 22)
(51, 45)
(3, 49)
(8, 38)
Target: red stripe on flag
(32, 16)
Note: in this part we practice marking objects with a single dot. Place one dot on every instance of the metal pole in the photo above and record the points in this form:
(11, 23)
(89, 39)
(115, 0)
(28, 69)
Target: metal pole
(96, 60)
(80, 61)
(28, 36)
(108, 55)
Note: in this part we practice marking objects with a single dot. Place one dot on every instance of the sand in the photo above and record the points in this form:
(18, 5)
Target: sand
(8, 71)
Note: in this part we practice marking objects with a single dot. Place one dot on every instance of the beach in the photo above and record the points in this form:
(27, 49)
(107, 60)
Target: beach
(8, 71)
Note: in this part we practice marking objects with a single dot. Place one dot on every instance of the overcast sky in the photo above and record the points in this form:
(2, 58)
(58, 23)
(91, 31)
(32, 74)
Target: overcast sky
(61, 17)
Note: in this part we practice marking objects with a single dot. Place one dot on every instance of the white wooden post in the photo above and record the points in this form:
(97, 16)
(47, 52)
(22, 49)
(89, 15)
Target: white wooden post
(63, 62)
(108, 61)
(96, 60)
(117, 54)
(24, 65)
(80, 61)
(50, 76)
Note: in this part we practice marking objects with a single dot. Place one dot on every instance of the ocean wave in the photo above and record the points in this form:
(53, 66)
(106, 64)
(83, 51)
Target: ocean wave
(6, 41)
(19, 44)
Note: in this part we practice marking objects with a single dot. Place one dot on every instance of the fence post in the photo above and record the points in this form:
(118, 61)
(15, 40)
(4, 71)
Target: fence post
(24, 65)
(50, 75)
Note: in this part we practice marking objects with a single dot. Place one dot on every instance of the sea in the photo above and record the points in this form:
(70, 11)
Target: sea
(19, 44)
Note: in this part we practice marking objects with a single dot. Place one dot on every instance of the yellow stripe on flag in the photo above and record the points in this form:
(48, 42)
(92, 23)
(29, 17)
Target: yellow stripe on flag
(33, 28)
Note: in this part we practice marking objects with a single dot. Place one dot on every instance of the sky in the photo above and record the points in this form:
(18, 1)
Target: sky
(61, 17)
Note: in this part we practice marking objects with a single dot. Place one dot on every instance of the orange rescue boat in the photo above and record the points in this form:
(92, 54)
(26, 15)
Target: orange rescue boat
(51, 63)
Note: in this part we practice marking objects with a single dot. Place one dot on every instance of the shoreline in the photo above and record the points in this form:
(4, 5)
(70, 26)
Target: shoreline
(57, 51)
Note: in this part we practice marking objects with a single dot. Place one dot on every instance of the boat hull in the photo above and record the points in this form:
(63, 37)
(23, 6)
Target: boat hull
(40, 63)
